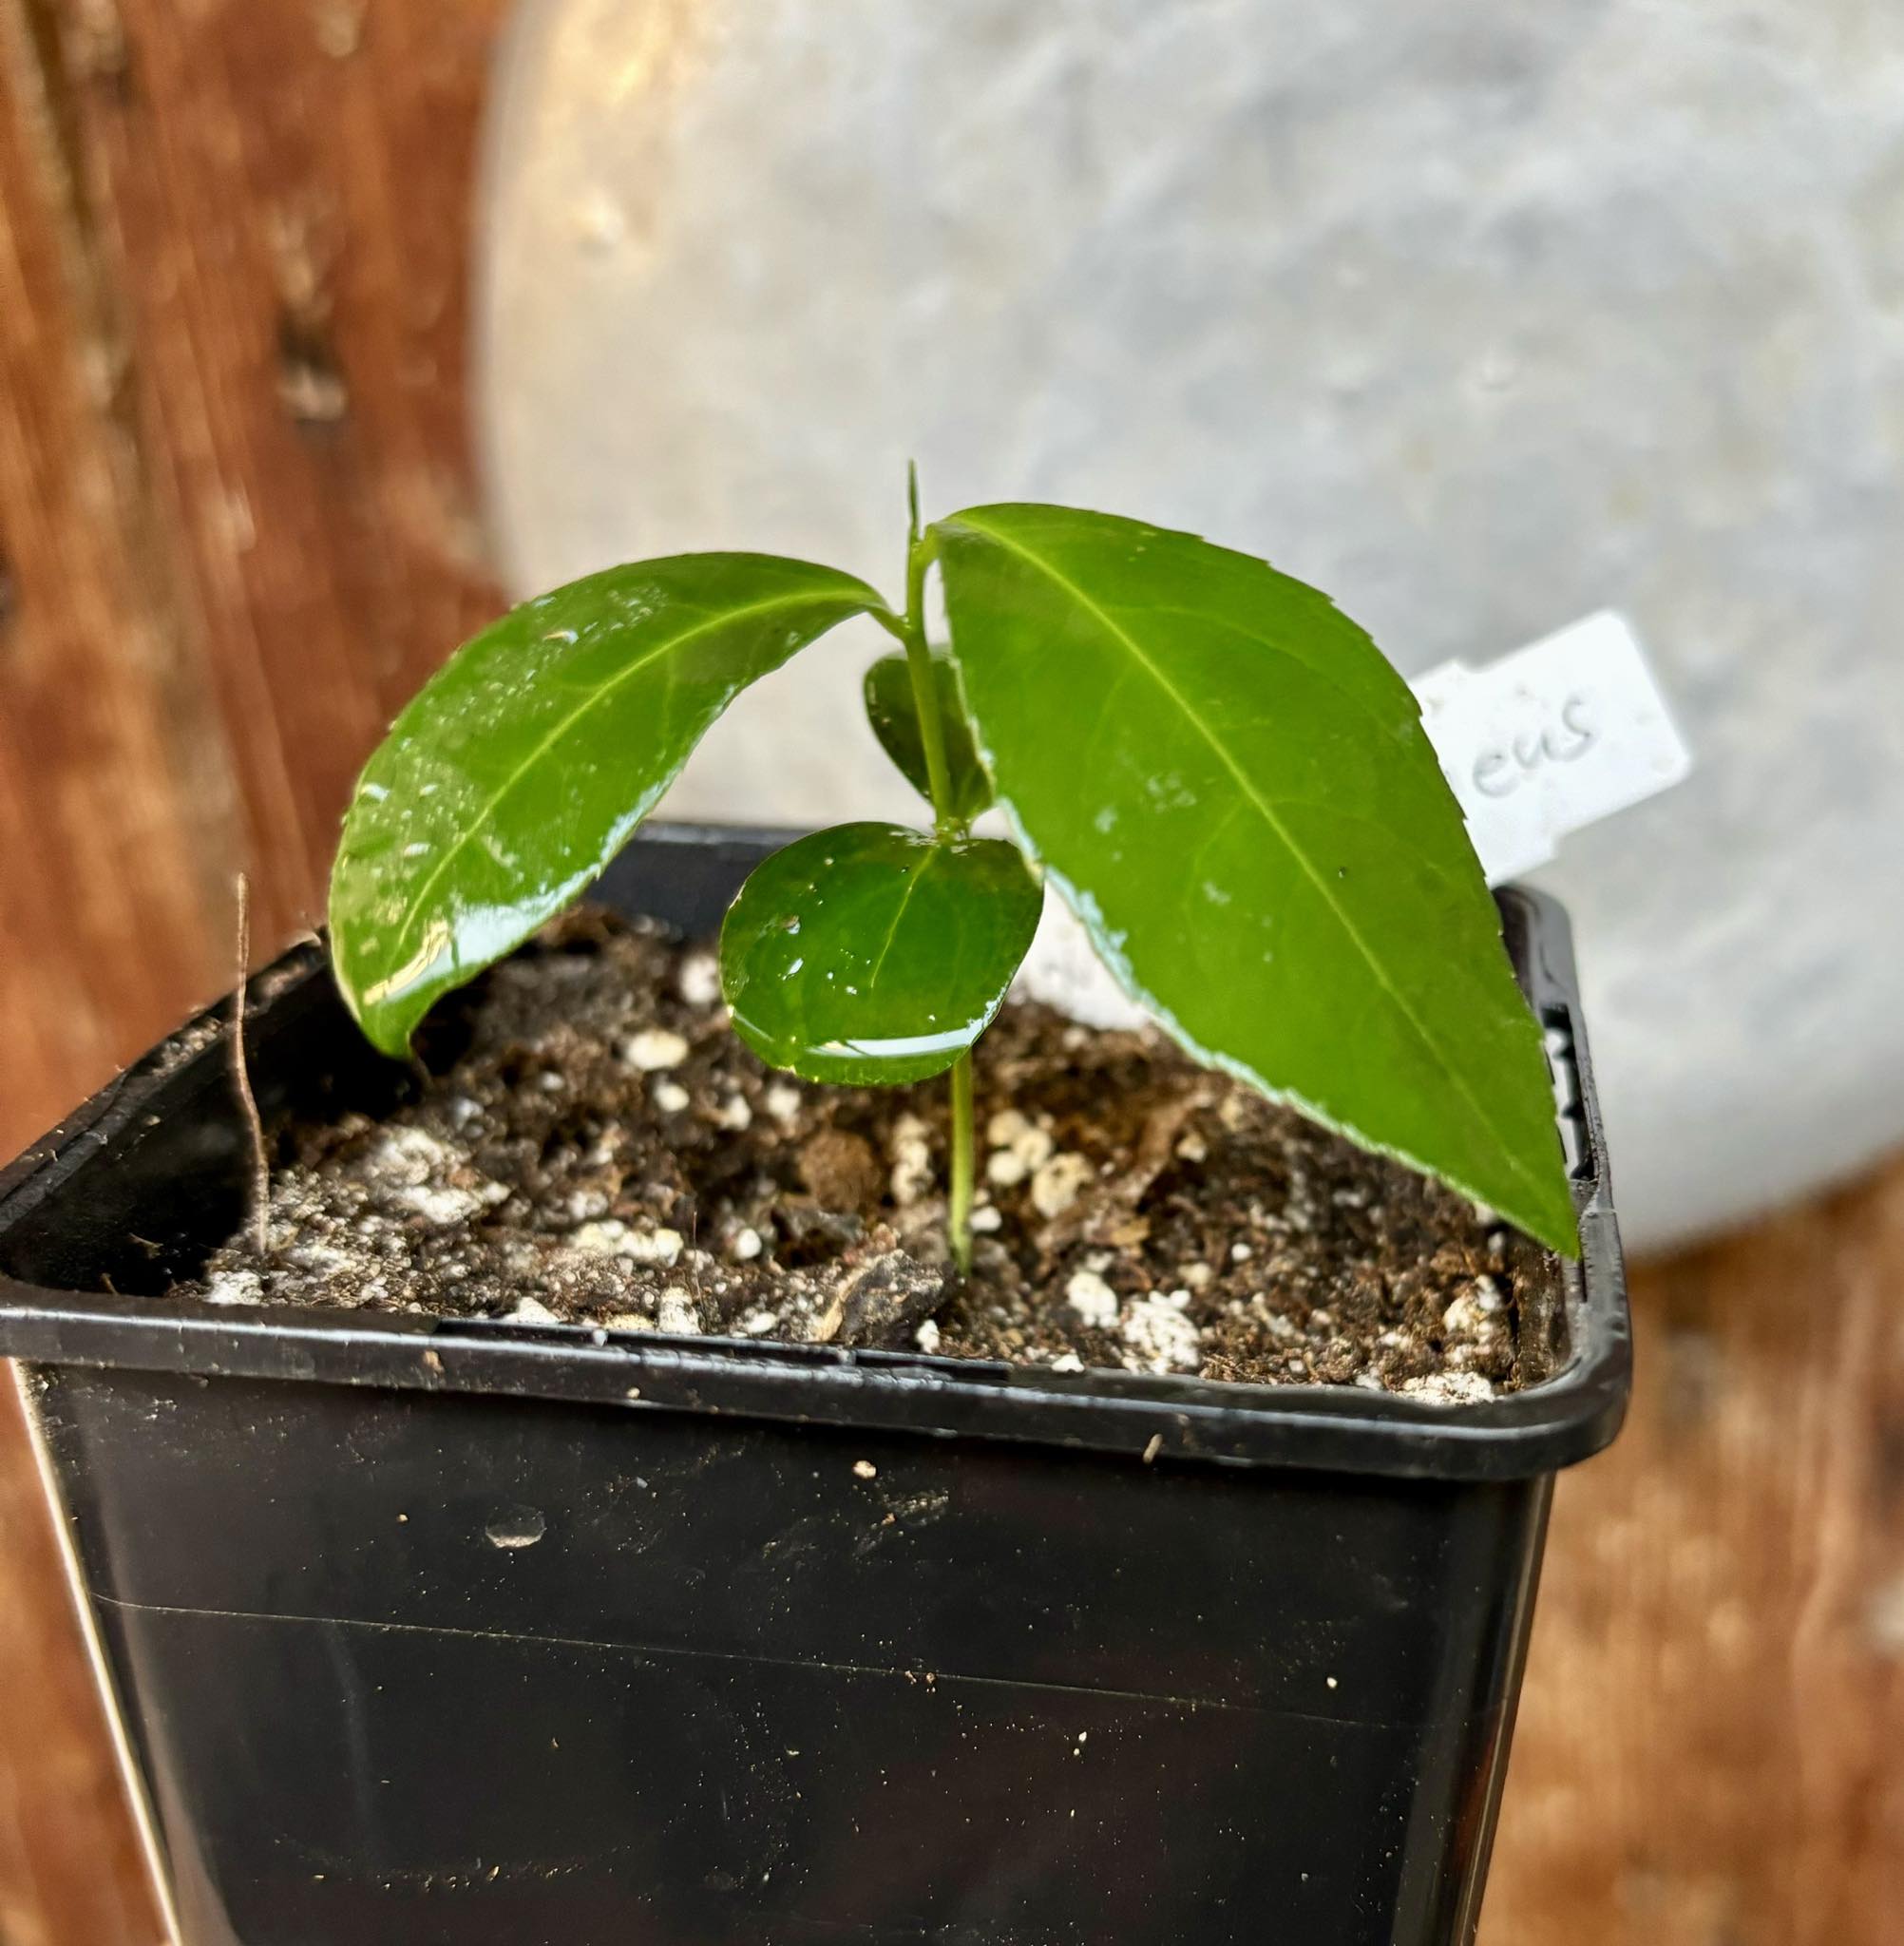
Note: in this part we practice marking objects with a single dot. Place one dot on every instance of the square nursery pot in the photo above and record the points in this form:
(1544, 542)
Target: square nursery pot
(421, 1631)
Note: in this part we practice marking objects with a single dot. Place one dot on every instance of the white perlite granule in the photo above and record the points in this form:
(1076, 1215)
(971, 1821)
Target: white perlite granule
(1450, 1388)
(443, 1205)
(234, 1287)
(675, 1312)
(1055, 1186)
(1476, 1312)
(654, 1048)
(698, 982)
(410, 1154)
(603, 1239)
(911, 1155)
(611, 1238)
(1161, 1338)
(1018, 1146)
(661, 1247)
(1091, 1298)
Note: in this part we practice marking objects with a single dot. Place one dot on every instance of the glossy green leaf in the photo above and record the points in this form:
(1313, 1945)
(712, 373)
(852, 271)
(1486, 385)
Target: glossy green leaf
(893, 709)
(524, 764)
(873, 954)
(1233, 789)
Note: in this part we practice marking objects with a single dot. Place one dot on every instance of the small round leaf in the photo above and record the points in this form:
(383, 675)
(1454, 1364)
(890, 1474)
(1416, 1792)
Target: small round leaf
(874, 954)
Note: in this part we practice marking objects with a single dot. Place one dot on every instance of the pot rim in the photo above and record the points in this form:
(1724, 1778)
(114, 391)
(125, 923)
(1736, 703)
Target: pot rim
(1338, 1428)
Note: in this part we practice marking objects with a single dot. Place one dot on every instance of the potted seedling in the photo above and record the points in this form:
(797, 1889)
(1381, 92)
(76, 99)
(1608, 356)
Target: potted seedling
(721, 1429)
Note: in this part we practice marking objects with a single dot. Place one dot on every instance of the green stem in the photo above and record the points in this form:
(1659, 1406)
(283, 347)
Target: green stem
(959, 1205)
(920, 549)
(925, 690)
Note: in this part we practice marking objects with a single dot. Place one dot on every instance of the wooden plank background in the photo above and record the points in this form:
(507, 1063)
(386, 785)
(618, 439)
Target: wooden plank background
(237, 524)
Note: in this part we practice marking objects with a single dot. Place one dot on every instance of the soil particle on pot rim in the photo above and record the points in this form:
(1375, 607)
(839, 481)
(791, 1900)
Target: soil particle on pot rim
(594, 1146)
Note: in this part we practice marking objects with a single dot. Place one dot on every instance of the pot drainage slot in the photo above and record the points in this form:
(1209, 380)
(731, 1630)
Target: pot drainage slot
(1557, 1030)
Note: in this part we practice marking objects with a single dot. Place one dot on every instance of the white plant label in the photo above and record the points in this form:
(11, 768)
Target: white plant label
(1553, 737)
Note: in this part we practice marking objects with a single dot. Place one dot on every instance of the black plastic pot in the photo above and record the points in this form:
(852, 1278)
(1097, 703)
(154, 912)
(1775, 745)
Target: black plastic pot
(457, 1632)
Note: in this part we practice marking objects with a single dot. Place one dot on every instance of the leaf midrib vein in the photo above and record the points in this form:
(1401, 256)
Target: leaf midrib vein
(914, 875)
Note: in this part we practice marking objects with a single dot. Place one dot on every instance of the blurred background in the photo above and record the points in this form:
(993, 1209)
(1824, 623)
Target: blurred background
(325, 326)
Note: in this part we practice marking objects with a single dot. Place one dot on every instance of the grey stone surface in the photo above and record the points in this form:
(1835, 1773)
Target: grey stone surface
(1479, 316)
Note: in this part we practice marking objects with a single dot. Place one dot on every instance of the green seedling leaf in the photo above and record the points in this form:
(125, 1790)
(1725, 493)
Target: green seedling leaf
(1245, 812)
(873, 954)
(893, 709)
(524, 764)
